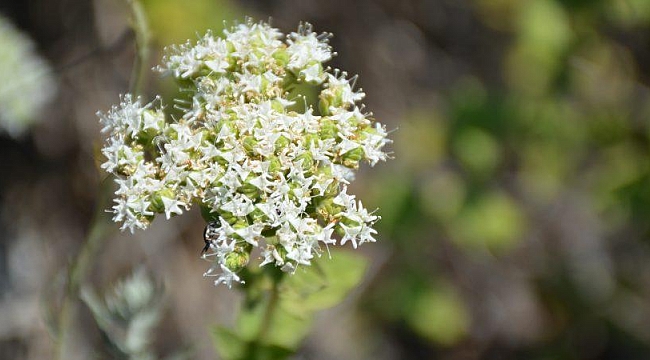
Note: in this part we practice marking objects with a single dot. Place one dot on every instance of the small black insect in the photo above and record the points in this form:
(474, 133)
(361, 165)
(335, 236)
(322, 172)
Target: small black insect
(207, 234)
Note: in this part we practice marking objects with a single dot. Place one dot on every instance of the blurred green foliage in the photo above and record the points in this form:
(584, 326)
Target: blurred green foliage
(545, 175)
(173, 22)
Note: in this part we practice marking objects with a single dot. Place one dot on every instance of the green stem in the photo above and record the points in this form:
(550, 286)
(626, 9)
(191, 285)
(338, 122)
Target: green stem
(142, 38)
(268, 314)
(99, 227)
(265, 324)
(77, 273)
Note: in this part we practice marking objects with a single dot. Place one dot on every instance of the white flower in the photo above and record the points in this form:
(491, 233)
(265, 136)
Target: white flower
(27, 83)
(172, 206)
(251, 233)
(305, 48)
(272, 179)
(226, 276)
(301, 254)
(271, 255)
(125, 118)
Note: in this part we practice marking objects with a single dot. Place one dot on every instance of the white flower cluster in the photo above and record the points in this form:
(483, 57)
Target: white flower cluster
(26, 81)
(267, 170)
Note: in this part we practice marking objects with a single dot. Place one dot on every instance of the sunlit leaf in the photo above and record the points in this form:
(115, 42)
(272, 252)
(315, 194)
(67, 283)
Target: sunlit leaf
(231, 347)
(324, 284)
(228, 344)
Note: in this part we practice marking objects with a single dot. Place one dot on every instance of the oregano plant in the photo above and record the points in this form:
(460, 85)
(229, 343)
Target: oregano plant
(268, 169)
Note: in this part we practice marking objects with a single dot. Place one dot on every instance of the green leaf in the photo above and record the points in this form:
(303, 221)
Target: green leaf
(228, 344)
(272, 324)
(282, 328)
(324, 284)
(232, 347)
(250, 318)
(267, 352)
(287, 330)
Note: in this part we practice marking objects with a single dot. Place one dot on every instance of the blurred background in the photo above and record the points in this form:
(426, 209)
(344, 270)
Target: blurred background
(515, 214)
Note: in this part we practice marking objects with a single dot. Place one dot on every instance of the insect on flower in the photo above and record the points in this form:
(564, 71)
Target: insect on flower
(208, 234)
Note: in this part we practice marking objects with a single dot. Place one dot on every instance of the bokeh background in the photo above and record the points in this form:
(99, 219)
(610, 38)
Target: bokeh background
(515, 213)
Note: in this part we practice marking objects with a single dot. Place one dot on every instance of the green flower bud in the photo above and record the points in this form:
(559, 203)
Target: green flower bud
(250, 190)
(157, 205)
(349, 223)
(272, 240)
(289, 81)
(323, 207)
(221, 161)
(228, 216)
(310, 139)
(145, 138)
(277, 106)
(328, 98)
(324, 105)
(275, 165)
(250, 144)
(281, 143)
(307, 162)
(258, 215)
(236, 261)
(333, 189)
(240, 223)
(328, 129)
(282, 57)
(351, 158)
(339, 230)
(208, 214)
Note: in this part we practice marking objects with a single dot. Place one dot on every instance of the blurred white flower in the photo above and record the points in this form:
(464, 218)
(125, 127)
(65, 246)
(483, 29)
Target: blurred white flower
(26, 81)
(128, 313)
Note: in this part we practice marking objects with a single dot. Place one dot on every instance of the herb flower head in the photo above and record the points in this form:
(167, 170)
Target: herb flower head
(268, 170)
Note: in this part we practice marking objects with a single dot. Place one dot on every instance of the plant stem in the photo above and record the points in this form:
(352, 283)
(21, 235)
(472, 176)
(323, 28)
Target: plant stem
(77, 272)
(268, 313)
(99, 227)
(265, 325)
(142, 38)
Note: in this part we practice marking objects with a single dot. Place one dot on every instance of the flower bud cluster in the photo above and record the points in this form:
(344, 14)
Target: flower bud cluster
(268, 171)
